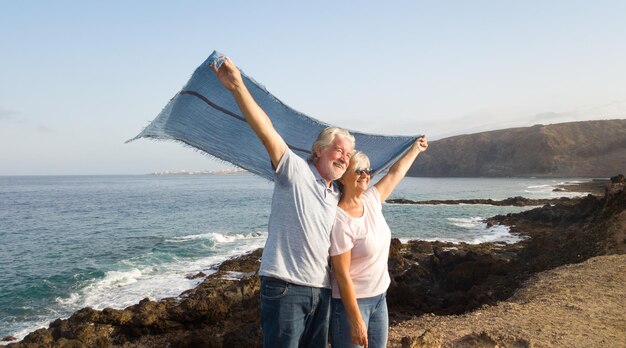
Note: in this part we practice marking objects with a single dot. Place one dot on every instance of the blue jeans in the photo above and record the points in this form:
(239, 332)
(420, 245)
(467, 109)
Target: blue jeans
(294, 315)
(374, 313)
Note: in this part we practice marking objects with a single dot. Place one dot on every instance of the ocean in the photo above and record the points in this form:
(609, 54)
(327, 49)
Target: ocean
(69, 242)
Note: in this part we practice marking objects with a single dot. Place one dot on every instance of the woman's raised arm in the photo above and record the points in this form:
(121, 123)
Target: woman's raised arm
(398, 170)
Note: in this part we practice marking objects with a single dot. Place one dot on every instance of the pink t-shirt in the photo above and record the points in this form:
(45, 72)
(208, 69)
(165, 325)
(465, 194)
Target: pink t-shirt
(369, 238)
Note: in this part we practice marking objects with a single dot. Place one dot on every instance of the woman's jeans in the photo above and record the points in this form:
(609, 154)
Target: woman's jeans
(374, 313)
(294, 315)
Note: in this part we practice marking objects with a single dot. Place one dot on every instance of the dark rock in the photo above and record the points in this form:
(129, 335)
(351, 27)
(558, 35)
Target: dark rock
(511, 201)
(196, 276)
(618, 179)
(42, 337)
(9, 338)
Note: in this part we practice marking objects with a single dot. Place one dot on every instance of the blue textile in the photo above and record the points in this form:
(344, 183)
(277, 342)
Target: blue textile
(204, 115)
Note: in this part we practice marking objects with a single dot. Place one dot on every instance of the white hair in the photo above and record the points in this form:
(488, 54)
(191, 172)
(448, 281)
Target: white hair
(326, 137)
(358, 159)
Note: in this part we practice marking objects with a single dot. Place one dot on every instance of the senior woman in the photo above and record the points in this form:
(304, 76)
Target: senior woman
(360, 241)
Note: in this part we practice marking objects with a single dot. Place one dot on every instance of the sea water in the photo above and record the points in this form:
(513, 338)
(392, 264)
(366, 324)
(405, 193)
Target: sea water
(68, 242)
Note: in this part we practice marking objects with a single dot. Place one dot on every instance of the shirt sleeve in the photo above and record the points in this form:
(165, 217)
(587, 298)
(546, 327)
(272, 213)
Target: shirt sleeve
(341, 236)
(373, 197)
(288, 167)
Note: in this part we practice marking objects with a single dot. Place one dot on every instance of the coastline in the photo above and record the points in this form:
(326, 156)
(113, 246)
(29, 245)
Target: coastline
(594, 187)
(223, 310)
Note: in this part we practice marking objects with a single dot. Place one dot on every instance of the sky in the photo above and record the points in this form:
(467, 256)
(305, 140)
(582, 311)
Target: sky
(78, 79)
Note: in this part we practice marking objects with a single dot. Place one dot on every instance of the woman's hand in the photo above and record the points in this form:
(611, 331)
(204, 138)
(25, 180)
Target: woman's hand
(358, 331)
(229, 75)
(421, 143)
(398, 170)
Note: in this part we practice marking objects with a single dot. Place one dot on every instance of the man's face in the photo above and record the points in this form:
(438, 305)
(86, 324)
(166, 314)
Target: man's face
(333, 160)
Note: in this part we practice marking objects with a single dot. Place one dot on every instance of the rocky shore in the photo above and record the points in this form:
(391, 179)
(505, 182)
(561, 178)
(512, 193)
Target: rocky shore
(595, 187)
(517, 201)
(442, 294)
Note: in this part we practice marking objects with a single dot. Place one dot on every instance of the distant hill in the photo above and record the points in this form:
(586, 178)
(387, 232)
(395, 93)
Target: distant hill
(573, 149)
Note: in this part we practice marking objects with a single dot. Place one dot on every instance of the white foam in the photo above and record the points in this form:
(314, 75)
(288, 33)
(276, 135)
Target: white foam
(119, 279)
(232, 275)
(468, 223)
(74, 297)
(547, 190)
(217, 237)
(541, 186)
(150, 284)
(498, 233)
(136, 280)
(148, 276)
(121, 288)
(477, 226)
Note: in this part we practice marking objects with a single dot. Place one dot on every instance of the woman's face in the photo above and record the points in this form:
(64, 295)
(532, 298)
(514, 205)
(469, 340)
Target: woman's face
(357, 176)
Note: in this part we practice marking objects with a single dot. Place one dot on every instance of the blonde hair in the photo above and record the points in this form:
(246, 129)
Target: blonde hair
(326, 137)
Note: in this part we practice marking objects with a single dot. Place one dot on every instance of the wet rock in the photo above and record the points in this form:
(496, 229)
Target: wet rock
(196, 276)
(9, 338)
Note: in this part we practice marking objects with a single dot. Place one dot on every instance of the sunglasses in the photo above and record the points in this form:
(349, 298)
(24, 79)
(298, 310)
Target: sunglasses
(360, 170)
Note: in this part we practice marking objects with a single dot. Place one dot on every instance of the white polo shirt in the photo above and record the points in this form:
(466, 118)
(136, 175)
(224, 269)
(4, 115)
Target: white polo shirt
(303, 211)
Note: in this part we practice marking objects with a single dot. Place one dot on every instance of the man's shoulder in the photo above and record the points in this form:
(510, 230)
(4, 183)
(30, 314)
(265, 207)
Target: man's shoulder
(291, 159)
(294, 170)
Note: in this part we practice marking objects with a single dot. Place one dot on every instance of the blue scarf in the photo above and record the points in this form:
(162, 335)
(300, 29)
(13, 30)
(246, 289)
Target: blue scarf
(205, 116)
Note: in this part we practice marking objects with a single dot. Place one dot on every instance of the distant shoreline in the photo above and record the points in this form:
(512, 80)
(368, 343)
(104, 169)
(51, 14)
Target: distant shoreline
(200, 172)
(595, 187)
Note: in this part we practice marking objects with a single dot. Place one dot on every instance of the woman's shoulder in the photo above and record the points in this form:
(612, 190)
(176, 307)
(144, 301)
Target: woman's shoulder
(372, 198)
(372, 194)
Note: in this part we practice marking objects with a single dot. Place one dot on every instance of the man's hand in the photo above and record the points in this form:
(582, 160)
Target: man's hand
(229, 75)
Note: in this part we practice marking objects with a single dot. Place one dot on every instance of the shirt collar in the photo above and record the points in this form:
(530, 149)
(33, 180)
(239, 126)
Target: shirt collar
(318, 178)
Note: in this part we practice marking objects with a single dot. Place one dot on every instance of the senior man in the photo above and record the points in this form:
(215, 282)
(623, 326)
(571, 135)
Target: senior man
(295, 284)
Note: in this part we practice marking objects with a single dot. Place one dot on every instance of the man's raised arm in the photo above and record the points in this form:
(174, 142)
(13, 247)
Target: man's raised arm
(258, 120)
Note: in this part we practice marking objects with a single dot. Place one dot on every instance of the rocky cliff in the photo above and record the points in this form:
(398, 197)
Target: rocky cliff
(575, 149)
